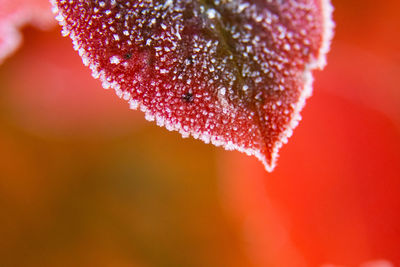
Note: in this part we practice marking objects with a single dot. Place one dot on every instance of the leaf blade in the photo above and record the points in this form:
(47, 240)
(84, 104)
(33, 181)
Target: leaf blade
(233, 73)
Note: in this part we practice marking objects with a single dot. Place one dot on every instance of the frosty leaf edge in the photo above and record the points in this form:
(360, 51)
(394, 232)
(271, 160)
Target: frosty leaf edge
(315, 61)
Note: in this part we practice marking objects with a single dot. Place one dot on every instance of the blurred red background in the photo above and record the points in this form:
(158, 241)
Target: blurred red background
(84, 181)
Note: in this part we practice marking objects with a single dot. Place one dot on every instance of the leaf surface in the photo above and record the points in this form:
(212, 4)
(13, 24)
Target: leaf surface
(233, 73)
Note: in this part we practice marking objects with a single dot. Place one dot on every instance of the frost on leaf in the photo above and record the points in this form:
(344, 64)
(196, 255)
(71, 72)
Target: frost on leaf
(15, 14)
(231, 72)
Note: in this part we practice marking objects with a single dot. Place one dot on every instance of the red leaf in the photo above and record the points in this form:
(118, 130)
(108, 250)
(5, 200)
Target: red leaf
(233, 73)
(17, 13)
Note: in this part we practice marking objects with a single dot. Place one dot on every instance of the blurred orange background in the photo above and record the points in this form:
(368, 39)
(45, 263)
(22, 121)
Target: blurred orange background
(84, 181)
